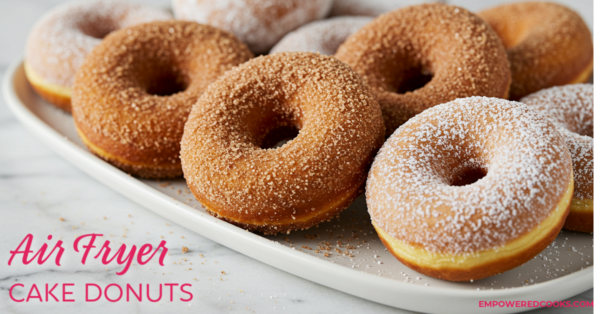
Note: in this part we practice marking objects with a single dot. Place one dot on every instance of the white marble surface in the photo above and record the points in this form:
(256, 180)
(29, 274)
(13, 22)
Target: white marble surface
(38, 188)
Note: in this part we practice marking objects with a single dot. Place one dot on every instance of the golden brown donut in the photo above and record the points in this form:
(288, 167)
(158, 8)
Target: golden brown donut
(547, 44)
(571, 109)
(470, 188)
(401, 50)
(225, 151)
(133, 93)
(60, 40)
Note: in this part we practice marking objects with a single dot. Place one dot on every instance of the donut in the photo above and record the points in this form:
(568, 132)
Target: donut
(258, 23)
(470, 188)
(323, 36)
(547, 45)
(230, 160)
(60, 40)
(371, 7)
(571, 109)
(447, 50)
(134, 91)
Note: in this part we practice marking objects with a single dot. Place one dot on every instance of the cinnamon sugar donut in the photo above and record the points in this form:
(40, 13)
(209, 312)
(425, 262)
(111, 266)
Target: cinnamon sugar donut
(571, 109)
(62, 38)
(258, 23)
(401, 50)
(547, 44)
(323, 36)
(133, 93)
(470, 188)
(225, 151)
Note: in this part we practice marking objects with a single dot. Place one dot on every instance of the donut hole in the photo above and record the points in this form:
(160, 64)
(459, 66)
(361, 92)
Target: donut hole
(96, 32)
(468, 175)
(166, 83)
(413, 79)
(278, 136)
(98, 27)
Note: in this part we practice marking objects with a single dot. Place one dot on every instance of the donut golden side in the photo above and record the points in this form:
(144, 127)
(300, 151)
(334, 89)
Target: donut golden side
(478, 265)
(58, 95)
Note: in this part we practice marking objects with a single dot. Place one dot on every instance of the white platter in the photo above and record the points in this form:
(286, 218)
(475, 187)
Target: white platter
(362, 266)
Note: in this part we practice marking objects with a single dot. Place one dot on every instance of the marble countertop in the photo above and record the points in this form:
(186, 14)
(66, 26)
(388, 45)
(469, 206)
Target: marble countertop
(42, 194)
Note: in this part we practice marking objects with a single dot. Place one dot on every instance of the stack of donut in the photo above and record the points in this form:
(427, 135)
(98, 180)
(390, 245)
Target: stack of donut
(467, 184)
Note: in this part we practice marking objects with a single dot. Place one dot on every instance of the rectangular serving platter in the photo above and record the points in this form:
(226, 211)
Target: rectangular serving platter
(344, 254)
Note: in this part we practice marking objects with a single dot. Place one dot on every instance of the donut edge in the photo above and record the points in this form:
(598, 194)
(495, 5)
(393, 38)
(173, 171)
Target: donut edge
(581, 217)
(324, 214)
(141, 170)
(585, 74)
(495, 267)
(57, 95)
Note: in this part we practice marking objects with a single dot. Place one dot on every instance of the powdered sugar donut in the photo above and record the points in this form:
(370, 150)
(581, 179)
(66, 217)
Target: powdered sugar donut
(321, 36)
(470, 188)
(371, 7)
(571, 109)
(258, 23)
(62, 38)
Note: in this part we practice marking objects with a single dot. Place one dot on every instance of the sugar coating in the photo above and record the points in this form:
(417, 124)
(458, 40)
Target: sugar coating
(321, 36)
(340, 129)
(113, 103)
(547, 44)
(571, 109)
(462, 53)
(371, 7)
(60, 40)
(409, 192)
(258, 23)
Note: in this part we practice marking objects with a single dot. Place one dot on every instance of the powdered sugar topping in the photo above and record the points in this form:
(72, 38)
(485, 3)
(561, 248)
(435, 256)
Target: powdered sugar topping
(321, 36)
(258, 23)
(63, 37)
(410, 193)
(571, 108)
(371, 7)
